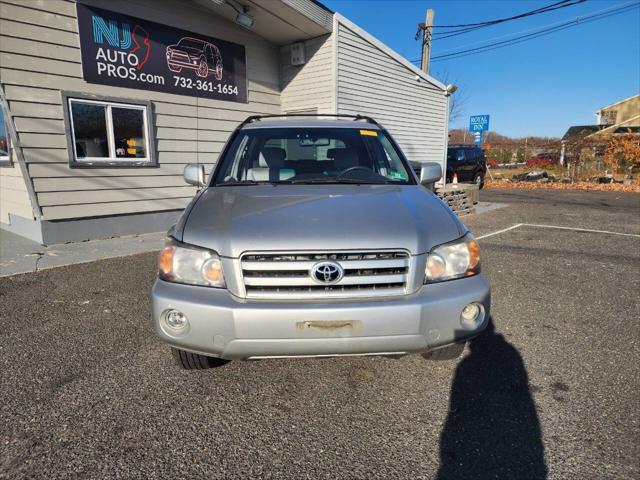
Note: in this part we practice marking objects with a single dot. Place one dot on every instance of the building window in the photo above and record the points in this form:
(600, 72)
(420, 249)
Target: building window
(109, 133)
(5, 156)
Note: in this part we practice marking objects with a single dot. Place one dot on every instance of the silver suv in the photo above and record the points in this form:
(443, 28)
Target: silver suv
(315, 238)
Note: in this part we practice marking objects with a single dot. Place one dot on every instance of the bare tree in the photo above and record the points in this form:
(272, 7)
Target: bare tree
(459, 100)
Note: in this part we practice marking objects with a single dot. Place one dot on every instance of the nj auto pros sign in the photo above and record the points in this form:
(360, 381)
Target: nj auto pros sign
(128, 52)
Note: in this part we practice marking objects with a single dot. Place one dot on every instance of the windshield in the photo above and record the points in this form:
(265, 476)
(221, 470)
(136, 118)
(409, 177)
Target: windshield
(312, 155)
(191, 43)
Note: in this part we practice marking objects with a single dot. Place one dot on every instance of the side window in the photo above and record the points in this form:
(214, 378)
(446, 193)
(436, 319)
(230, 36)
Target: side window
(460, 155)
(5, 158)
(472, 155)
(105, 133)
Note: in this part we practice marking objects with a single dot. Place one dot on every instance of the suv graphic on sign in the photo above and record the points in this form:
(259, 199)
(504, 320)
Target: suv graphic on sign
(198, 55)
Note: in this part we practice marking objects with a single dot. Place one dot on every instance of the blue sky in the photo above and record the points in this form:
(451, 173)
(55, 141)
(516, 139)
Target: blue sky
(539, 87)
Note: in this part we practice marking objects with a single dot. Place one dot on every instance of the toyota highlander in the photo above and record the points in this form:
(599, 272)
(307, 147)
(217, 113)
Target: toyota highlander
(311, 238)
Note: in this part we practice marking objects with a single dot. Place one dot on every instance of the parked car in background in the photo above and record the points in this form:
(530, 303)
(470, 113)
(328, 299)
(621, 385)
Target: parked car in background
(314, 238)
(468, 162)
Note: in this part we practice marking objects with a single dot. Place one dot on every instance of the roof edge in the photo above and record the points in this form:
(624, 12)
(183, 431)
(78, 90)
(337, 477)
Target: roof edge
(618, 102)
(389, 51)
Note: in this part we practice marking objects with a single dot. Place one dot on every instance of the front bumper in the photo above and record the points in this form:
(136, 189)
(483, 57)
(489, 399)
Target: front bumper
(225, 326)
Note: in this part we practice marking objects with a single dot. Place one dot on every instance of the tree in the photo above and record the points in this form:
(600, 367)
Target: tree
(458, 101)
(622, 153)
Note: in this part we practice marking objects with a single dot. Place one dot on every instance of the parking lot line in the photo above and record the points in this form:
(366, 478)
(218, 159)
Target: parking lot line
(558, 227)
(512, 227)
(577, 229)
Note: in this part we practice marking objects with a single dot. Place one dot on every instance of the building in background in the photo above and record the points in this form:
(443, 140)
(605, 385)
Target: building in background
(103, 103)
(620, 118)
(623, 113)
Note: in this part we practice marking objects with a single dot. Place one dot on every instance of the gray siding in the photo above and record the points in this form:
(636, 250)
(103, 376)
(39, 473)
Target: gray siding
(372, 82)
(310, 85)
(40, 57)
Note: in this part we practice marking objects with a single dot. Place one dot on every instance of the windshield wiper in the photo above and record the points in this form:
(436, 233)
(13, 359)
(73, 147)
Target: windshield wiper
(235, 183)
(351, 181)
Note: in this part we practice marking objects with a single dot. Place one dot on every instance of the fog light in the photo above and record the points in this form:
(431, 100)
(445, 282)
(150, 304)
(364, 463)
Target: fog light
(176, 320)
(472, 315)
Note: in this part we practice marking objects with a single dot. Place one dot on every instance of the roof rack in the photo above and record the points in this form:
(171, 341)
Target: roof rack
(357, 117)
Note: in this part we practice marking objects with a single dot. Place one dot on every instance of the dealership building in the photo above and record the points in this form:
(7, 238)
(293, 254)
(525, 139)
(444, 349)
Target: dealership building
(105, 102)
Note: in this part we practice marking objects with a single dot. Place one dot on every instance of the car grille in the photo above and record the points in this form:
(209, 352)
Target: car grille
(287, 275)
(180, 57)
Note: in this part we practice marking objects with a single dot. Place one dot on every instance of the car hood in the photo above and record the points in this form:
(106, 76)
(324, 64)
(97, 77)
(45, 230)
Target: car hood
(233, 220)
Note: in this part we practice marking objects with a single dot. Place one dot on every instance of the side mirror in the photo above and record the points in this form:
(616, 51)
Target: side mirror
(430, 173)
(194, 174)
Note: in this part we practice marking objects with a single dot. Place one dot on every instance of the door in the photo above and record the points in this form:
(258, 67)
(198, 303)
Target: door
(459, 164)
(469, 166)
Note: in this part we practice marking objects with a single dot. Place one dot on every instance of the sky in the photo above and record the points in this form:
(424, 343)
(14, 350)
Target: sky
(534, 88)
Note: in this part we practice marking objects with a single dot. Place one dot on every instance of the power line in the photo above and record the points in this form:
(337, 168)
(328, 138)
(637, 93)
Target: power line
(523, 38)
(572, 21)
(469, 27)
(474, 27)
(548, 8)
(599, 15)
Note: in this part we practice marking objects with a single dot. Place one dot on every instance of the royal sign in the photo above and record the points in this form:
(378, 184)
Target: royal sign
(128, 52)
(479, 123)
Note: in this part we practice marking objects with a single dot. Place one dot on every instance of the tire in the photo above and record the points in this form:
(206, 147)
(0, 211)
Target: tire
(193, 361)
(450, 352)
(218, 71)
(479, 180)
(203, 69)
(175, 68)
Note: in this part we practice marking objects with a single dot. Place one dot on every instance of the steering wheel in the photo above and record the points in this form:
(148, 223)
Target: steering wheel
(353, 169)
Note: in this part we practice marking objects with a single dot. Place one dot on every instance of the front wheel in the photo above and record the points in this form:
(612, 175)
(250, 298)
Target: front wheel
(203, 69)
(194, 361)
(479, 180)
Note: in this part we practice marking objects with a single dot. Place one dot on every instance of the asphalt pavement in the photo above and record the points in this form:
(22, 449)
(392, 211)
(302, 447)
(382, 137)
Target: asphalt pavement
(551, 390)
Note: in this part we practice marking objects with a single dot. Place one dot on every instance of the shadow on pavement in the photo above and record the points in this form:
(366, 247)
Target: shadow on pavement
(492, 429)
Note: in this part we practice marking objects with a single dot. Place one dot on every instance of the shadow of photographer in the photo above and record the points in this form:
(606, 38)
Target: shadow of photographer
(492, 429)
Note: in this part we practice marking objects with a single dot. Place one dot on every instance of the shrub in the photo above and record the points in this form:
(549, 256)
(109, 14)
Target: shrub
(540, 162)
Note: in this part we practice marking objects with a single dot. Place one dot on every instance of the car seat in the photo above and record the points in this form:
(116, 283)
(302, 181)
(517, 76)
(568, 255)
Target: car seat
(343, 158)
(269, 166)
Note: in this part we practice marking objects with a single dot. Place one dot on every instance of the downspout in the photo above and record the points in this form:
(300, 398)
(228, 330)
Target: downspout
(17, 148)
(446, 139)
(334, 46)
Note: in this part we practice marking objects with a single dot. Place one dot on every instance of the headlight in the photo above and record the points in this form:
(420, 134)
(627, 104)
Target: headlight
(194, 266)
(457, 259)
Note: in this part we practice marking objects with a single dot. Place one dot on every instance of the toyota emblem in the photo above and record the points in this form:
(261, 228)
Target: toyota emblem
(327, 273)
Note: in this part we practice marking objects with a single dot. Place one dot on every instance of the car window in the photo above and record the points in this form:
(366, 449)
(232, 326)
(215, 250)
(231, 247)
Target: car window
(470, 154)
(191, 43)
(453, 155)
(286, 155)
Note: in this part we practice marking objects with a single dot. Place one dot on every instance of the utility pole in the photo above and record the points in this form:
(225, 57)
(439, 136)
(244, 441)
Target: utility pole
(426, 40)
